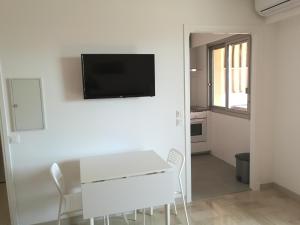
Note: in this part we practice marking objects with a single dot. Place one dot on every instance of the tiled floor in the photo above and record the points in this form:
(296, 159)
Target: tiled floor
(268, 207)
(4, 213)
(213, 177)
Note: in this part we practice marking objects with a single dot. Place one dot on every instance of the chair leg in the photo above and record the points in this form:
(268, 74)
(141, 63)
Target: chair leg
(58, 220)
(151, 211)
(59, 211)
(135, 215)
(175, 208)
(107, 220)
(183, 199)
(125, 218)
(91, 221)
(144, 215)
(104, 220)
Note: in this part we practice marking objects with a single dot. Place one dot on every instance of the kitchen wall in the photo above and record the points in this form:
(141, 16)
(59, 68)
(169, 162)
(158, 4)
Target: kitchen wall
(198, 60)
(229, 135)
(262, 101)
(222, 129)
(45, 39)
(286, 110)
(199, 78)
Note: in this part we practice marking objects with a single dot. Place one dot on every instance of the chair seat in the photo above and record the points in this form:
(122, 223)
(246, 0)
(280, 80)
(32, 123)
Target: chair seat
(72, 203)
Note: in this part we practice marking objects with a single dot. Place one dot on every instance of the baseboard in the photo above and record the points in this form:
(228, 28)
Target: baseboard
(286, 191)
(78, 219)
(214, 155)
(282, 189)
(266, 186)
(65, 221)
(69, 219)
(54, 222)
(201, 153)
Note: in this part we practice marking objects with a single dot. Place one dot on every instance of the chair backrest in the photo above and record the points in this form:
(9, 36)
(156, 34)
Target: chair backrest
(177, 159)
(58, 178)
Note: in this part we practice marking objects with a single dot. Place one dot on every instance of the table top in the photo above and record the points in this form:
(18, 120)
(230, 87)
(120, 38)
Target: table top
(120, 165)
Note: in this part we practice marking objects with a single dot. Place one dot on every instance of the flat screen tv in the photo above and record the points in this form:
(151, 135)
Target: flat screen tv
(118, 75)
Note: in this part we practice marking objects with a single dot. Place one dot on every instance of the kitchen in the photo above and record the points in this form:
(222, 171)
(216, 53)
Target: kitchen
(220, 111)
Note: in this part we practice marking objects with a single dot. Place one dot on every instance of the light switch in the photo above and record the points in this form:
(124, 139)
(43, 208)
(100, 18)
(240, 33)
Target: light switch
(178, 118)
(178, 114)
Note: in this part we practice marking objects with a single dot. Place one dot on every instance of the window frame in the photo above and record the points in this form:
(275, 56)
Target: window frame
(225, 43)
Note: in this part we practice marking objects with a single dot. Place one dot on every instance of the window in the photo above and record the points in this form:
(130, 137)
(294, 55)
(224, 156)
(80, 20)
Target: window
(229, 75)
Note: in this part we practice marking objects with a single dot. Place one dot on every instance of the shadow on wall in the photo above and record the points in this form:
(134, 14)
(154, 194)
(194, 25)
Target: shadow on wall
(72, 78)
(71, 172)
(46, 199)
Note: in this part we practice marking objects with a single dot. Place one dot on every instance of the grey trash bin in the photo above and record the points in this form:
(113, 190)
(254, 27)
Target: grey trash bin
(243, 167)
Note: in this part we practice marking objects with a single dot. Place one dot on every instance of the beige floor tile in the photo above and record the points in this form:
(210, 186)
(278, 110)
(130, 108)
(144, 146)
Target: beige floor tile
(268, 207)
(213, 177)
(4, 212)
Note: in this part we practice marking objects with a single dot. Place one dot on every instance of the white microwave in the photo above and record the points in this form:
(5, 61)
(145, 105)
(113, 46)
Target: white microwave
(198, 130)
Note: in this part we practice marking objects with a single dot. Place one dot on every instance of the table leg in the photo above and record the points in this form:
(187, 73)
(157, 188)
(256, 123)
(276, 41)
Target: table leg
(167, 213)
(107, 220)
(91, 221)
(135, 215)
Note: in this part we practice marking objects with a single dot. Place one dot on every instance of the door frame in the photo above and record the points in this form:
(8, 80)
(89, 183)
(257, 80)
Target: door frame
(254, 32)
(7, 159)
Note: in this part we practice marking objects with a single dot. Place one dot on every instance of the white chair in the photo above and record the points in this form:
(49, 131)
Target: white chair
(69, 202)
(177, 160)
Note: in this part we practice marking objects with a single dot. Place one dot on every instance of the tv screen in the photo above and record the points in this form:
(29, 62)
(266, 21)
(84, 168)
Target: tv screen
(118, 75)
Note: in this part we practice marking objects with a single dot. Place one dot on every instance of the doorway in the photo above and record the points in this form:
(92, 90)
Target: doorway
(8, 212)
(217, 111)
(4, 209)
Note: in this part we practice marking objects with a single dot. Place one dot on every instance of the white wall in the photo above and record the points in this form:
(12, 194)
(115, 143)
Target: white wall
(201, 147)
(199, 78)
(262, 101)
(286, 118)
(45, 39)
(198, 39)
(229, 135)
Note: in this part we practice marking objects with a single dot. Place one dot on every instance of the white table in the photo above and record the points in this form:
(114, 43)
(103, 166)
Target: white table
(124, 182)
